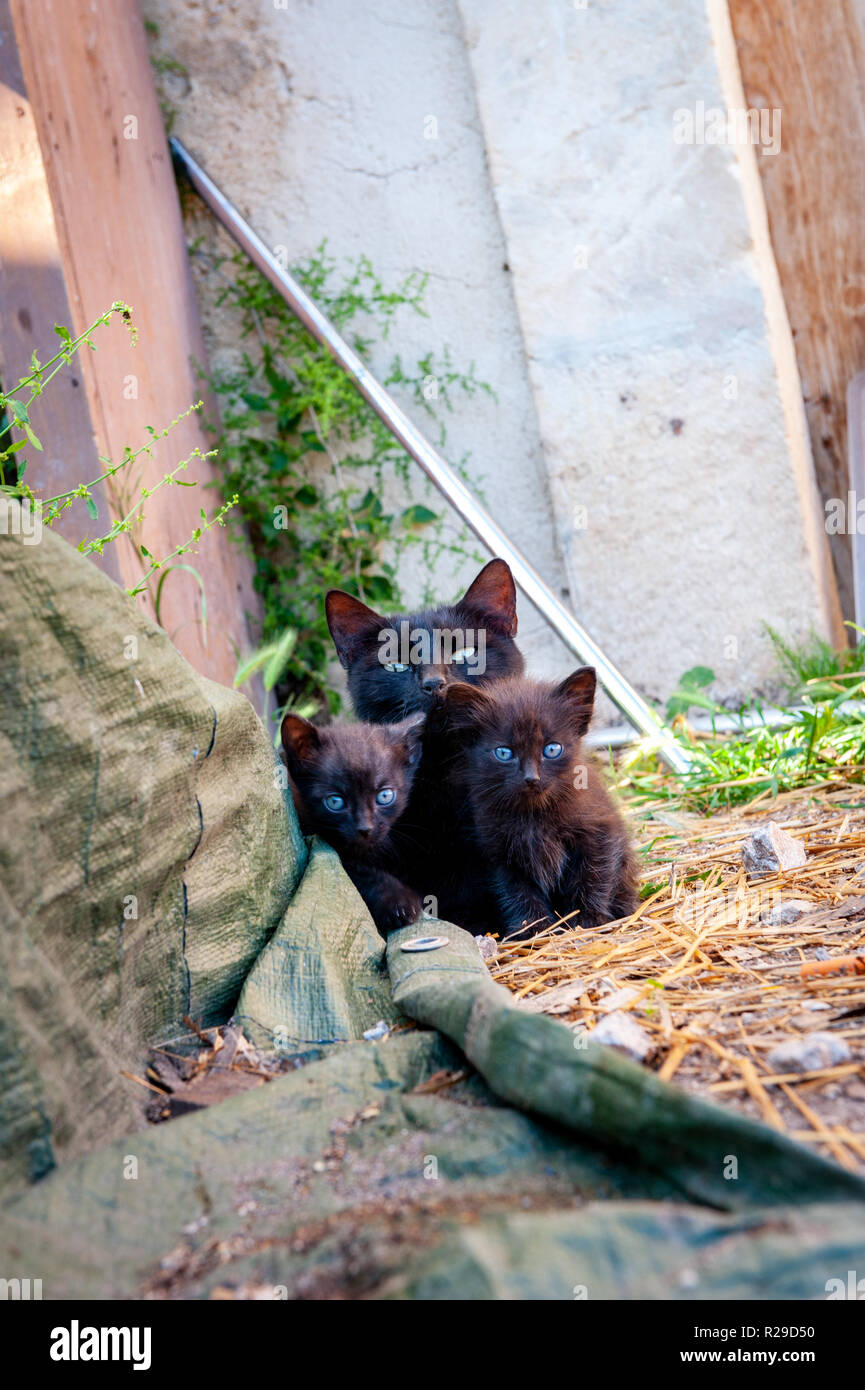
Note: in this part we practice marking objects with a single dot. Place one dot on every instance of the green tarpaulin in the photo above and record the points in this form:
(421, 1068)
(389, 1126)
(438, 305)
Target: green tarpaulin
(152, 868)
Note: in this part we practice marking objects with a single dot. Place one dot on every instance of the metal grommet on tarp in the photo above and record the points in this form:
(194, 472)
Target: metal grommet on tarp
(424, 943)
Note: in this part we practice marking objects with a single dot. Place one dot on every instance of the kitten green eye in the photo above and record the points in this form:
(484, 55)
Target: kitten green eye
(334, 802)
(396, 666)
(464, 654)
(386, 796)
(503, 754)
(552, 750)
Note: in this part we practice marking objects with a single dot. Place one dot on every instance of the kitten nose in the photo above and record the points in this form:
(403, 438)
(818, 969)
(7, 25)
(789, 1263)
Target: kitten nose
(432, 682)
(531, 775)
(364, 831)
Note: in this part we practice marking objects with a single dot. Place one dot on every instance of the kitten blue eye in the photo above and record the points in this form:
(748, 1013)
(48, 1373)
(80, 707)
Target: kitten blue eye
(386, 796)
(464, 654)
(504, 755)
(396, 666)
(552, 750)
(335, 803)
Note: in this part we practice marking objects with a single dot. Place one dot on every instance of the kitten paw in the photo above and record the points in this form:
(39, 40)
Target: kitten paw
(398, 909)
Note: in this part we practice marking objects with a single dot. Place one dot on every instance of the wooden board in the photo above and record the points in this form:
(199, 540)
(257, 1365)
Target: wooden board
(33, 298)
(120, 236)
(806, 58)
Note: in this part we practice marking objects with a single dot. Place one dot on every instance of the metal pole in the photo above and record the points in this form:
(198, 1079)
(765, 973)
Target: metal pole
(856, 452)
(572, 633)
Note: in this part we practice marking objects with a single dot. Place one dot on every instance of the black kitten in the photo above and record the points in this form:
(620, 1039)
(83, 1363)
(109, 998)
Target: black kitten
(405, 662)
(350, 785)
(548, 833)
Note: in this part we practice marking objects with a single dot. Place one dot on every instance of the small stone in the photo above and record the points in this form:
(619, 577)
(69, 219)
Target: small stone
(488, 948)
(623, 1032)
(770, 848)
(786, 912)
(811, 1053)
(823, 953)
(620, 999)
(378, 1032)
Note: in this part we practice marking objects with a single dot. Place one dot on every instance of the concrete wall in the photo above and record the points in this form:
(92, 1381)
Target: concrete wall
(647, 449)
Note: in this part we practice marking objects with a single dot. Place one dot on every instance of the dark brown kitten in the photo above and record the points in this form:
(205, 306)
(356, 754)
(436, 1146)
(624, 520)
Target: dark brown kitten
(438, 852)
(547, 830)
(405, 662)
(350, 785)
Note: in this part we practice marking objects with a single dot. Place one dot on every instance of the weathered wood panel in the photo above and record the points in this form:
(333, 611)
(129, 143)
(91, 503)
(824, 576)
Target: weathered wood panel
(33, 298)
(117, 216)
(807, 59)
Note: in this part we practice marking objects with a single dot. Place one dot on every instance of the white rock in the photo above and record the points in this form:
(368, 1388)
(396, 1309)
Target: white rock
(623, 1032)
(488, 948)
(770, 848)
(787, 912)
(377, 1033)
(811, 1053)
(619, 999)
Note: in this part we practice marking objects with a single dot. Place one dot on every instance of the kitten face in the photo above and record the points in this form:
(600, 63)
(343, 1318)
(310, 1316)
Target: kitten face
(404, 663)
(522, 739)
(351, 782)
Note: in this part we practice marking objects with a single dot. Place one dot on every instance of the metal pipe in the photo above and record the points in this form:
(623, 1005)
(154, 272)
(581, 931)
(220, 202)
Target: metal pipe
(572, 633)
(771, 717)
(856, 464)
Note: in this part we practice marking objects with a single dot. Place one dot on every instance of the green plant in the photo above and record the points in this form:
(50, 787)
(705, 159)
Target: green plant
(15, 408)
(325, 490)
(690, 692)
(818, 742)
(814, 660)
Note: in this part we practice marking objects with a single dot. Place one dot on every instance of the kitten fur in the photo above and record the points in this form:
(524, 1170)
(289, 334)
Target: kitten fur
(356, 762)
(547, 830)
(438, 858)
(384, 697)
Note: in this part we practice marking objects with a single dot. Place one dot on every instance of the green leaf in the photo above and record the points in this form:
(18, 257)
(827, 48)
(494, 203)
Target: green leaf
(418, 515)
(681, 701)
(32, 437)
(253, 663)
(697, 677)
(190, 569)
(280, 658)
(91, 506)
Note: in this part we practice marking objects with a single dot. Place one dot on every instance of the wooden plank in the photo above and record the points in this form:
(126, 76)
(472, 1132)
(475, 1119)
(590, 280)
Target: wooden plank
(33, 298)
(806, 58)
(119, 228)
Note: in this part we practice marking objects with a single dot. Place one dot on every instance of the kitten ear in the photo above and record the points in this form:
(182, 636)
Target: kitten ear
(300, 739)
(351, 624)
(409, 735)
(579, 690)
(493, 595)
(463, 704)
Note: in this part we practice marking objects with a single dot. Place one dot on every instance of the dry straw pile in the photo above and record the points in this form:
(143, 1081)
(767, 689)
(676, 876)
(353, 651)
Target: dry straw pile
(748, 990)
